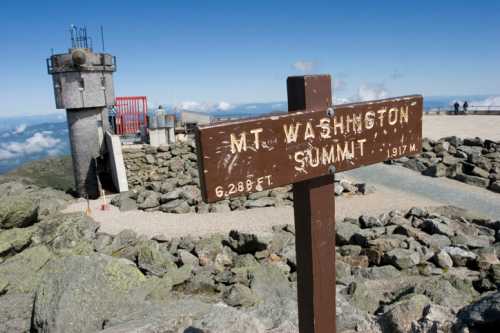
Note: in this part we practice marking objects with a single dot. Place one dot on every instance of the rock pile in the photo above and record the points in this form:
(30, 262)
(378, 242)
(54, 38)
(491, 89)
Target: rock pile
(417, 271)
(166, 179)
(471, 160)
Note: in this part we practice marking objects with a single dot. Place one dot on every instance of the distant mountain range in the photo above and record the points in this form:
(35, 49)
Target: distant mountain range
(29, 138)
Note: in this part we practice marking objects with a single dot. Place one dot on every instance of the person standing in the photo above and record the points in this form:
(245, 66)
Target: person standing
(457, 107)
(465, 106)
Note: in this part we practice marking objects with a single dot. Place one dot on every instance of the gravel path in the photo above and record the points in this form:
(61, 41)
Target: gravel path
(444, 190)
(397, 188)
(259, 221)
(486, 127)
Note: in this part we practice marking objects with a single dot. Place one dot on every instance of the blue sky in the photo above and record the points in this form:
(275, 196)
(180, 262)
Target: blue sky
(242, 51)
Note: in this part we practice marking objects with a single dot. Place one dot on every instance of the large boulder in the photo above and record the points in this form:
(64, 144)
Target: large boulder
(277, 299)
(63, 232)
(23, 205)
(481, 316)
(184, 315)
(15, 312)
(17, 210)
(399, 317)
(23, 271)
(15, 240)
(82, 293)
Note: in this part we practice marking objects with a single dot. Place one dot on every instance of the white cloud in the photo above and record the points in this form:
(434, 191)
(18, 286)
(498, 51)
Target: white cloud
(21, 128)
(303, 66)
(224, 106)
(341, 100)
(203, 106)
(368, 92)
(37, 143)
(490, 101)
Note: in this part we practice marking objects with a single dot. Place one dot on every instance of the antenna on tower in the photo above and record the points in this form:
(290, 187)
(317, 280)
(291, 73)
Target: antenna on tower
(79, 37)
(102, 38)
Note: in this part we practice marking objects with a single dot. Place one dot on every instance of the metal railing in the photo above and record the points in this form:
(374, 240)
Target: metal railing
(473, 109)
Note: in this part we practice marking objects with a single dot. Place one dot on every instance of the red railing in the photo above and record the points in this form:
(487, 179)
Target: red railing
(130, 117)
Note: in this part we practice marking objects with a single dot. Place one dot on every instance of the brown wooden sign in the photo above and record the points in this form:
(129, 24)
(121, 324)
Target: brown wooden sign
(252, 155)
(306, 148)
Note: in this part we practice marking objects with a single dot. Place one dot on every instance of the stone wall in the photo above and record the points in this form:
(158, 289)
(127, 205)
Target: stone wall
(471, 160)
(166, 179)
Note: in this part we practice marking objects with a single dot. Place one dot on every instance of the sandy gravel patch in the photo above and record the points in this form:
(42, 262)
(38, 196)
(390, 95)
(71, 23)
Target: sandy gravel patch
(486, 127)
(259, 220)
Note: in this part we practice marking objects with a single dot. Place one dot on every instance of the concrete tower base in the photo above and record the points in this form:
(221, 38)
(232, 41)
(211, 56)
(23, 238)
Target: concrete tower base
(86, 137)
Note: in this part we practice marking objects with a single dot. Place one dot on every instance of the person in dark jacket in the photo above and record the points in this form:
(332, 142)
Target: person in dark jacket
(465, 106)
(457, 107)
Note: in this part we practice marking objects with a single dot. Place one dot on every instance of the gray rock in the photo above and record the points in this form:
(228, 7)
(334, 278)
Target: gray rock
(261, 202)
(81, 293)
(376, 272)
(277, 300)
(338, 189)
(483, 315)
(370, 222)
(178, 206)
(351, 319)
(15, 311)
(437, 226)
(17, 210)
(476, 171)
(123, 245)
(442, 292)
(495, 186)
(437, 170)
(23, 272)
(191, 194)
(188, 316)
(239, 295)
(15, 240)
(167, 186)
(258, 195)
(187, 258)
(243, 243)
(401, 315)
(443, 259)
(460, 256)
(364, 188)
(151, 200)
(402, 258)
(435, 318)
(473, 142)
(473, 180)
(345, 232)
(220, 207)
(65, 231)
(348, 186)
(153, 261)
(124, 202)
(208, 248)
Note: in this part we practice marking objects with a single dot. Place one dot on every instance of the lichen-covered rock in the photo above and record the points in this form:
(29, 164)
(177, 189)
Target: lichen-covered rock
(81, 293)
(400, 315)
(17, 211)
(15, 240)
(481, 316)
(62, 232)
(23, 271)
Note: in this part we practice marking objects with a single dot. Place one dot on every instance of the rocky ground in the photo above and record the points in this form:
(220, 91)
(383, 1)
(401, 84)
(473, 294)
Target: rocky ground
(470, 160)
(166, 179)
(415, 271)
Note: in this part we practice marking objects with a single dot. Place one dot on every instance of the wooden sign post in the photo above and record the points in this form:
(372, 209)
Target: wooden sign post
(305, 148)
